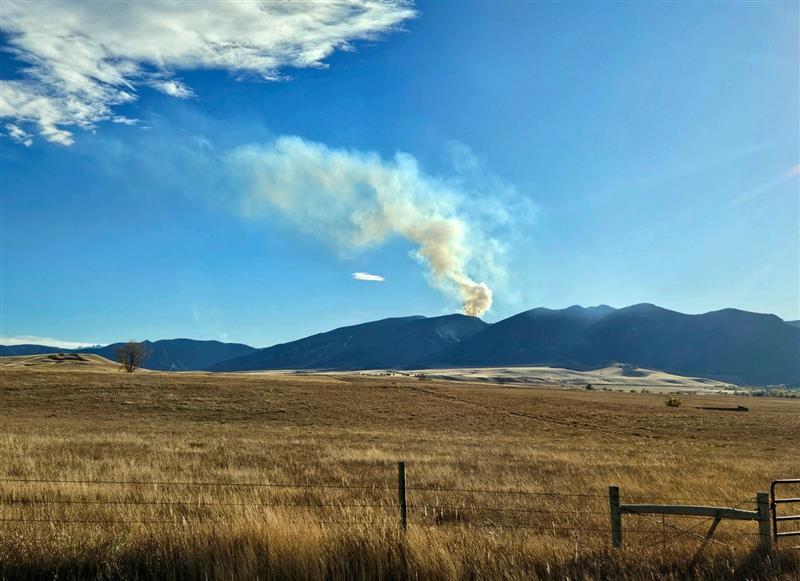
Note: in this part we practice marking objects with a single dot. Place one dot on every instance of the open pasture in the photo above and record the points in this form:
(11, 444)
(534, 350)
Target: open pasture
(108, 474)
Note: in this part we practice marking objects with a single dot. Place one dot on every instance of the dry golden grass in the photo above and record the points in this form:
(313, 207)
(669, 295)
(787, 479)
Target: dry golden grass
(66, 425)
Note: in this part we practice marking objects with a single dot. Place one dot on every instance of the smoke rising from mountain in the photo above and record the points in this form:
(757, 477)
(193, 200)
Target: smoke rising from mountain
(356, 200)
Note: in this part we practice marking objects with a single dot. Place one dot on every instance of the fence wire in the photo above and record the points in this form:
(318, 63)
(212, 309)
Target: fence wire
(423, 514)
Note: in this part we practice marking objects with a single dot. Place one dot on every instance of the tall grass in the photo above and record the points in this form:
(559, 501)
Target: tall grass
(458, 441)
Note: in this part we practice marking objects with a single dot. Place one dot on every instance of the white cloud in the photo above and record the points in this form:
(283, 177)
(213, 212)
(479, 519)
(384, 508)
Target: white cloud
(19, 135)
(173, 88)
(82, 59)
(47, 341)
(368, 277)
(124, 120)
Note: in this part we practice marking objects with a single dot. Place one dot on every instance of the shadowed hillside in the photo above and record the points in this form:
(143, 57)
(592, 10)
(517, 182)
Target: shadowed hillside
(392, 342)
(730, 344)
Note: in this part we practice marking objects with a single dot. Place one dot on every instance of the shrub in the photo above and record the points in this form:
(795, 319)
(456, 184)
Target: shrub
(673, 401)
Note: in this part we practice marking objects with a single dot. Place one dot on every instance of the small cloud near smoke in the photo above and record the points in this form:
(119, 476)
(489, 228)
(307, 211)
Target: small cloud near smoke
(356, 200)
(368, 277)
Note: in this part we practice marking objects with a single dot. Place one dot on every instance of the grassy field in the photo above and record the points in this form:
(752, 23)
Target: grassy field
(179, 463)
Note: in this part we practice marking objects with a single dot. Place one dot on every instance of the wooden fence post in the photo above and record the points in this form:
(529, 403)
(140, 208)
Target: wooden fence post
(764, 528)
(401, 490)
(616, 517)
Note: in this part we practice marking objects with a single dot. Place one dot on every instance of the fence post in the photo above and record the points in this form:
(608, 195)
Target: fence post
(401, 490)
(616, 517)
(764, 528)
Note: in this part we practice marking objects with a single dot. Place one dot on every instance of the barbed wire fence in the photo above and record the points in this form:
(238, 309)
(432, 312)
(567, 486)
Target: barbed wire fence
(577, 516)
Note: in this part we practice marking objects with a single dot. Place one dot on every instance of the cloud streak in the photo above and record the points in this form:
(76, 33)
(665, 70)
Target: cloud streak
(356, 200)
(368, 277)
(766, 186)
(84, 59)
(47, 341)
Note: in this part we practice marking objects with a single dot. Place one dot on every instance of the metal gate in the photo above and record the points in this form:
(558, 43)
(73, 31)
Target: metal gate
(779, 513)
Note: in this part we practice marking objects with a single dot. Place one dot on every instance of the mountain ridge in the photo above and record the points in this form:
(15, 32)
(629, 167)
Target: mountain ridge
(728, 344)
(390, 342)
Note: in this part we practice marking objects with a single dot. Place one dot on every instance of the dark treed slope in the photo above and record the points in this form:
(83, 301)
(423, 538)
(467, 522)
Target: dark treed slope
(539, 336)
(392, 342)
(732, 345)
(181, 354)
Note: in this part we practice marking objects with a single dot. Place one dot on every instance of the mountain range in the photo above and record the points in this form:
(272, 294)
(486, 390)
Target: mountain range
(730, 345)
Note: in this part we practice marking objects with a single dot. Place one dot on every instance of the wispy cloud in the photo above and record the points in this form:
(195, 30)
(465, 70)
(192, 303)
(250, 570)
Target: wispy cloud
(766, 186)
(48, 341)
(19, 135)
(83, 59)
(368, 277)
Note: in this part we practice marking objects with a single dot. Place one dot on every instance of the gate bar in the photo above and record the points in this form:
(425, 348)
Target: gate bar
(774, 502)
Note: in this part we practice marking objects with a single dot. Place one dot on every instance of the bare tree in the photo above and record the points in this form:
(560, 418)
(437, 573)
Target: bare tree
(131, 355)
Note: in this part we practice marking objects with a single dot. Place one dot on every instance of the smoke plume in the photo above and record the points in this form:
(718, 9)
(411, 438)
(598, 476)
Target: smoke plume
(357, 200)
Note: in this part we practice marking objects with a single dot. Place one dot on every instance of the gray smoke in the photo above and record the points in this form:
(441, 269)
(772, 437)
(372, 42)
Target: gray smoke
(357, 200)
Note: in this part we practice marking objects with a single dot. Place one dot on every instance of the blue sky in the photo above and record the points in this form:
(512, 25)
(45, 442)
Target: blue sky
(593, 153)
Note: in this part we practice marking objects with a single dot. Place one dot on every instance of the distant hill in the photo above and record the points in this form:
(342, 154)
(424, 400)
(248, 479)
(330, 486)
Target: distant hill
(730, 345)
(395, 342)
(165, 355)
(181, 354)
(18, 350)
(70, 361)
(793, 323)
